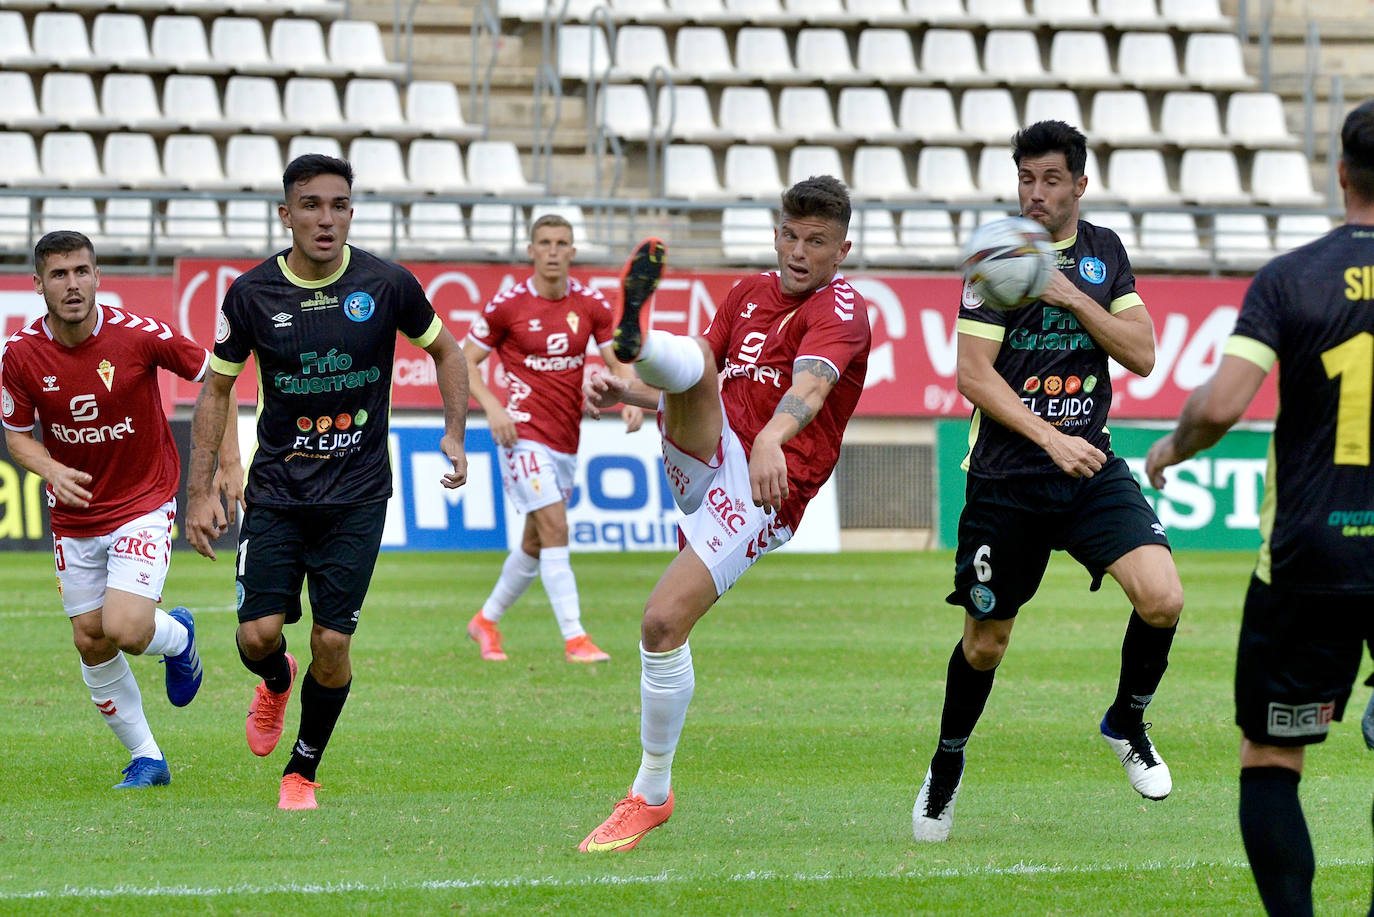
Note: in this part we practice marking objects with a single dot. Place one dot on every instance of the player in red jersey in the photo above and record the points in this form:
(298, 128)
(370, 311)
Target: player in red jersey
(539, 329)
(86, 375)
(744, 451)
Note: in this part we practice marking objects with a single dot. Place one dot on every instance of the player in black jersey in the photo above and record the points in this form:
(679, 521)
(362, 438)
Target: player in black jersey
(1042, 476)
(321, 320)
(1308, 611)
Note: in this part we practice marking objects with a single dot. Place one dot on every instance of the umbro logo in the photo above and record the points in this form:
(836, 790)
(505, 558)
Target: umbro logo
(281, 320)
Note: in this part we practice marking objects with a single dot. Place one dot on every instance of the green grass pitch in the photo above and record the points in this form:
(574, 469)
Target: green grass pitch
(457, 786)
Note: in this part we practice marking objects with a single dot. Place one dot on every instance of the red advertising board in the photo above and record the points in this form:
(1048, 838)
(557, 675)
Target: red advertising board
(911, 369)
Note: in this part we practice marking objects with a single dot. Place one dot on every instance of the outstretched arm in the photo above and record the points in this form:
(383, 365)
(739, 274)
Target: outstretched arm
(451, 368)
(604, 390)
(812, 380)
(1209, 412)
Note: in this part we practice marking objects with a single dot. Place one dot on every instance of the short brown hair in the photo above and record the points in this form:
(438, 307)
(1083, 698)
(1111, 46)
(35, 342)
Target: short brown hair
(1357, 150)
(60, 242)
(821, 196)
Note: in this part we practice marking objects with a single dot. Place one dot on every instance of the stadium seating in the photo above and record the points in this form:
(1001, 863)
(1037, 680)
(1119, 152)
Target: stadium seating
(751, 172)
(746, 235)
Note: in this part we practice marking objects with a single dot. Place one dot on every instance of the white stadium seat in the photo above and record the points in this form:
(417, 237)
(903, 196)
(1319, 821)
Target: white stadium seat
(180, 42)
(253, 101)
(1255, 119)
(1171, 240)
(495, 166)
(238, 42)
(377, 164)
(762, 53)
(1131, 14)
(193, 161)
(751, 172)
(76, 213)
(313, 103)
(70, 98)
(436, 165)
(950, 56)
(1013, 57)
(988, 115)
(702, 53)
(623, 110)
(582, 52)
(298, 46)
(996, 174)
(123, 39)
(1139, 177)
(69, 157)
(1282, 177)
(638, 50)
(928, 235)
(1214, 61)
(1241, 240)
(689, 171)
(806, 109)
(806, 161)
(253, 162)
(866, 113)
(191, 224)
(746, 112)
(131, 160)
(131, 100)
(942, 173)
(499, 229)
(376, 106)
(356, 46)
(1079, 58)
(19, 105)
(61, 36)
(1053, 105)
(1294, 229)
(1149, 60)
(684, 113)
(1118, 221)
(823, 54)
(880, 173)
(927, 113)
(302, 144)
(1121, 117)
(887, 56)
(1191, 119)
(746, 235)
(1210, 177)
(16, 53)
(433, 106)
(192, 101)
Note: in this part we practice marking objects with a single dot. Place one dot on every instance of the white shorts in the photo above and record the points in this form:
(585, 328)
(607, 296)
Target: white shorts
(534, 476)
(722, 524)
(133, 558)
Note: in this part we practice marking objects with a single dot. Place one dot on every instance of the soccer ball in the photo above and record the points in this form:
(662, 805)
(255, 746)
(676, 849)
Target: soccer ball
(1006, 263)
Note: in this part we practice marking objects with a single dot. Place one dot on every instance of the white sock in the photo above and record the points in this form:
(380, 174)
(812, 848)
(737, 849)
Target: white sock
(517, 573)
(169, 635)
(672, 362)
(561, 587)
(115, 694)
(666, 682)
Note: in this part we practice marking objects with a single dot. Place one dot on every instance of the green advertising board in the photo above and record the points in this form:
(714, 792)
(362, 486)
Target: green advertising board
(1211, 501)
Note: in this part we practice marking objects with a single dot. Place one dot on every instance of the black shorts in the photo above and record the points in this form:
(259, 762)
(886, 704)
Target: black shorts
(1298, 656)
(336, 546)
(1009, 527)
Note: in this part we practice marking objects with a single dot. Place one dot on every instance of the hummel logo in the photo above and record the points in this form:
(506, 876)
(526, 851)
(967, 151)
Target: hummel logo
(107, 707)
(50, 383)
(281, 320)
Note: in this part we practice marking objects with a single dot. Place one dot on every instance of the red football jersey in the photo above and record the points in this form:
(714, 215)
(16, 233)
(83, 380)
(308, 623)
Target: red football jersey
(542, 345)
(98, 410)
(757, 335)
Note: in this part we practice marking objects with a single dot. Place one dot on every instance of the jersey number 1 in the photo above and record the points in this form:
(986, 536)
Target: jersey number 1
(1353, 361)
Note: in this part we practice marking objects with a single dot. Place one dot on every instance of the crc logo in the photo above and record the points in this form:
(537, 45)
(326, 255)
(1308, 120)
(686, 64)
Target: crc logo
(83, 408)
(725, 509)
(752, 346)
(139, 544)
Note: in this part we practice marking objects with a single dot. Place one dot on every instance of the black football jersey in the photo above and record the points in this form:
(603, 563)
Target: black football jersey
(1312, 310)
(324, 351)
(1049, 359)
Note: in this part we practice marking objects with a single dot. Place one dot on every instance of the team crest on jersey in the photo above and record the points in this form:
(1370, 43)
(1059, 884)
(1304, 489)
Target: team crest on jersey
(221, 328)
(6, 402)
(572, 321)
(106, 373)
(1092, 270)
(983, 598)
(970, 298)
(359, 306)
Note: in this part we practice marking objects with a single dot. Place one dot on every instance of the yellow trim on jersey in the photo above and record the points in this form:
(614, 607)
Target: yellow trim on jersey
(430, 334)
(1268, 508)
(316, 284)
(1257, 352)
(973, 425)
(1065, 243)
(1122, 303)
(985, 330)
(224, 367)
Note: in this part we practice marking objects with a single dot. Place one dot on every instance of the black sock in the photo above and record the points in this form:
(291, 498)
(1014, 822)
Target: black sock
(1276, 839)
(1144, 657)
(966, 693)
(320, 709)
(272, 668)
